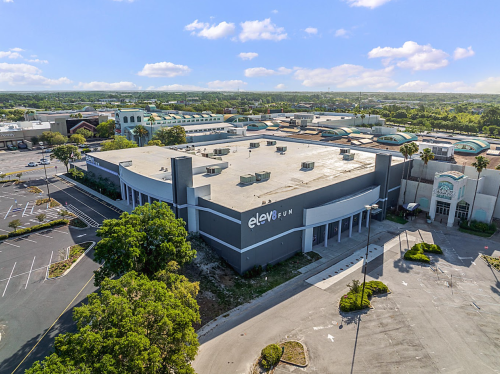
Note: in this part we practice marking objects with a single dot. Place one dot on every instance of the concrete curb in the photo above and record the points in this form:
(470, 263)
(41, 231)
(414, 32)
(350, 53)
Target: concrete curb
(72, 265)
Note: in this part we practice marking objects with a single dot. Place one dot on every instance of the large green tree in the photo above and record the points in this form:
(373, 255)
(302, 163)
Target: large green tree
(77, 138)
(119, 142)
(54, 364)
(145, 241)
(85, 133)
(171, 135)
(141, 132)
(53, 138)
(66, 153)
(135, 325)
(106, 129)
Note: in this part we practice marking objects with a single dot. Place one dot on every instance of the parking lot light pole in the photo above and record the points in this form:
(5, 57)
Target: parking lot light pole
(368, 217)
(46, 180)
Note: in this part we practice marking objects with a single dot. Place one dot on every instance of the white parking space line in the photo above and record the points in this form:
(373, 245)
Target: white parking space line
(28, 240)
(45, 236)
(33, 207)
(60, 231)
(9, 279)
(30, 272)
(11, 244)
(3, 230)
(8, 212)
(48, 266)
(24, 211)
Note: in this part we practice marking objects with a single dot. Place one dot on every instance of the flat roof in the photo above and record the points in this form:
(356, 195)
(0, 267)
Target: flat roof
(287, 178)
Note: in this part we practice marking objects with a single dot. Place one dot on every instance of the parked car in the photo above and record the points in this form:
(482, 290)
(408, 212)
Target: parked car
(32, 163)
(45, 162)
(11, 147)
(22, 146)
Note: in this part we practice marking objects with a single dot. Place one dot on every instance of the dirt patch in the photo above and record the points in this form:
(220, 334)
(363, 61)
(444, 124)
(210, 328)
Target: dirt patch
(222, 289)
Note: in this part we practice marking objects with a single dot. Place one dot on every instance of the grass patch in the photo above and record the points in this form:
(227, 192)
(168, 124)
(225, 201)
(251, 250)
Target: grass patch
(58, 268)
(493, 261)
(34, 189)
(477, 233)
(53, 203)
(77, 222)
(352, 300)
(222, 289)
(294, 352)
(394, 218)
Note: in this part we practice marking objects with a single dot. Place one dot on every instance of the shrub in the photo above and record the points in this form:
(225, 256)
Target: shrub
(253, 272)
(416, 255)
(352, 301)
(376, 287)
(3, 237)
(426, 247)
(354, 287)
(269, 267)
(271, 355)
(43, 226)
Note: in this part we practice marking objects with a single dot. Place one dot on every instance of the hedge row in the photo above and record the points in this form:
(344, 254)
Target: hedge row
(12, 180)
(479, 227)
(352, 300)
(27, 230)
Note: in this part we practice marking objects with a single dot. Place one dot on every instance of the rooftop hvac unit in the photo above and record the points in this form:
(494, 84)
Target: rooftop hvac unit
(345, 150)
(281, 148)
(254, 145)
(348, 156)
(191, 152)
(247, 178)
(221, 151)
(271, 142)
(207, 154)
(262, 175)
(214, 170)
(308, 165)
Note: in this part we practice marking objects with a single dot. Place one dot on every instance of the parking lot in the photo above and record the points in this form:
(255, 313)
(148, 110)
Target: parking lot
(29, 302)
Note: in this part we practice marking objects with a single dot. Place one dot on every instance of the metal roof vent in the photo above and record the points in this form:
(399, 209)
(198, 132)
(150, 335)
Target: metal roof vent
(271, 142)
(254, 145)
(345, 150)
(247, 179)
(262, 176)
(221, 151)
(348, 156)
(308, 165)
(214, 170)
(281, 148)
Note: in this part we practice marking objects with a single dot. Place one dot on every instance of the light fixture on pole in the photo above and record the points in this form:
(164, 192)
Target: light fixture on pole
(46, 181)
(368, 208)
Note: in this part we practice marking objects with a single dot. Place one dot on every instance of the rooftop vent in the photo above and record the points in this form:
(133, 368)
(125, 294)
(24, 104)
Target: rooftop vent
(271, 142)
(214, 170)
(308, 165)
(348, 156)
(345, 150)
(254, 145)
(207, 154)
(281, 148)
(262, 175)
(221, 151)
(247, 179)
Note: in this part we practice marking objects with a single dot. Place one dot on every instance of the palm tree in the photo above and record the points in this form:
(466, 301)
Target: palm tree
(412, 148)
(140, 131)
(426, 155)
(362, 118)
(151, 121)
(480, 164)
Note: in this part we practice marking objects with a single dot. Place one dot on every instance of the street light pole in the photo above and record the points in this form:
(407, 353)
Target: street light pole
(46, 180)
(368, 217)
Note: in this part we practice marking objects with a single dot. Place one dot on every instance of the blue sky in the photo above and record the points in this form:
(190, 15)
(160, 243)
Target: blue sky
(344, 45)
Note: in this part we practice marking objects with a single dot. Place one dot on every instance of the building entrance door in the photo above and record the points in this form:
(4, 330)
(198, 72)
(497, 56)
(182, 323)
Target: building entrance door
(443, 208)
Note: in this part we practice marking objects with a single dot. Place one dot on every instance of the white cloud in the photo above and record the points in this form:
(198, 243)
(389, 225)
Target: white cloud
(261, 30)
(280, 86)
(8, 1)
(217, 85)
(263, 72)
(104, 86)
(275, 11)
(208, 31)
(463, 53)
(164, 69)
(311, 30)
(38, 61)
(231, 85)
(27, 75)
(9, 54)
(346, 76)
(367, 3)
(412, 56)
(17, 49)
(489, 85)
(341, 32)
(248, 55)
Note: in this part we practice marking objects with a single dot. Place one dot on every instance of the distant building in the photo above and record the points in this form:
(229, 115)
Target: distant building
(230, 111)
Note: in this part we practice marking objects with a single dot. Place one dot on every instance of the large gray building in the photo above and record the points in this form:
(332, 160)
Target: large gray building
(260, 200)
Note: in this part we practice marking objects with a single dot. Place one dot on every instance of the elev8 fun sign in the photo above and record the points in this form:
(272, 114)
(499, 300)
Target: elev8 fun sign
(261, 219)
